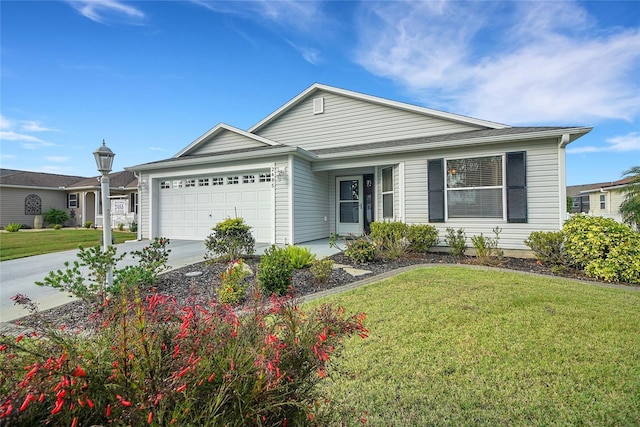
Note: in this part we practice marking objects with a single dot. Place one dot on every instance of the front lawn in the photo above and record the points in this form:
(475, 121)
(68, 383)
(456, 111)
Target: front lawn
(28, 243)
(457, 346)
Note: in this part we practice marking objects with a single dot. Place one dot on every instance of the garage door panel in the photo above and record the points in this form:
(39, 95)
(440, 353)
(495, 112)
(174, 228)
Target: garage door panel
(191, 212)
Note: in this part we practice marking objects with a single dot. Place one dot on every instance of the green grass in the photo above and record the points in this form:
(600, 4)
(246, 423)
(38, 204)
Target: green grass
(28, 243)
(455, 346)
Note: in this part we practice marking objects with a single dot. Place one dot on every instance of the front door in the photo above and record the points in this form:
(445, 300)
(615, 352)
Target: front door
(349, 212)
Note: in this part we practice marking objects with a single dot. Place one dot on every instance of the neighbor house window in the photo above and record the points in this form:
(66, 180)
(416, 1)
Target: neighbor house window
(165, 184)
(133, 202)
(217, 181)
(233, 180)
(265, 177)
(387, 193)
(474, 187)
(191, 182)
(72, 200)
(203, 182)
(248, 179)
(603, 202)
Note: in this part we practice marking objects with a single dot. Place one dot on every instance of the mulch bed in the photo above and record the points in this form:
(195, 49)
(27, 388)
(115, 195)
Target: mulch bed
(75, 314)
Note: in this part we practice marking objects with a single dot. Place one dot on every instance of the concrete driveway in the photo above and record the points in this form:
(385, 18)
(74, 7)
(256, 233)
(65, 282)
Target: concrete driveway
(20, 275)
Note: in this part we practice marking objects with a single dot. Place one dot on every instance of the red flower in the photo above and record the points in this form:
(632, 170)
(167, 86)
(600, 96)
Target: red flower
(182, 388)
(79, 372)
(108, 410)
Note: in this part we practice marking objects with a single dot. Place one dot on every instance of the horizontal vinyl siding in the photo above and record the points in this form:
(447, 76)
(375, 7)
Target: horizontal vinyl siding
(282, 205)
(348, 121)
(144, 208)
(311, 203)
(226, 141)
(542, 193)
(12, 206)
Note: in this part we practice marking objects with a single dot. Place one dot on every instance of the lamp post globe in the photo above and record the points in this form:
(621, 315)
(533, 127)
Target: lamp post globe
(104, 161)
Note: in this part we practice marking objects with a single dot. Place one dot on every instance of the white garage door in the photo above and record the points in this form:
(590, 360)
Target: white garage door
(190, 206)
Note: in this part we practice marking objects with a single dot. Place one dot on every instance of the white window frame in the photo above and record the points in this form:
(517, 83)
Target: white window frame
(387, 192)
(248, 179)
(232, 180)
(503, 187)
(603, 202)
(177, 183)
(73, 201)
(203, 182)
(265, 177)
(190, 182)
(133, 202)
(217, 180)
(165, 185)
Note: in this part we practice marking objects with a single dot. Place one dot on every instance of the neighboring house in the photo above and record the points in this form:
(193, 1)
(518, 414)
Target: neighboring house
(25, 196)
(605, 198)
(333, 160)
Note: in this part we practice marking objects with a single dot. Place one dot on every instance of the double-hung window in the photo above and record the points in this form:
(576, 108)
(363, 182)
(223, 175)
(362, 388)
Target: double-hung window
(72, 200)
(603, 202)
(475, 187)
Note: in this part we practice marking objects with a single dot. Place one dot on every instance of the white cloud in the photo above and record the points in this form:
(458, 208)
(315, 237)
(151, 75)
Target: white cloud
(108, 11)
(19, 130)
(618, 144)
(156, 149)
(311, 55)
(15, 136)
(513, 62)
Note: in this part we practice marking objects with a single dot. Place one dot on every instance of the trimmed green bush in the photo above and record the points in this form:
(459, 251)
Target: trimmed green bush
(88, 224)
(275, 271)
(603, 247)
(390, 238)
(230, 240)
(361, 250)
(422, 237)
(55, 216)
(548, 246)
(487, 249)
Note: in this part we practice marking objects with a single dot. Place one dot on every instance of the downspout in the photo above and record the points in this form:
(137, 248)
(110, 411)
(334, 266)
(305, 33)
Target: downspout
(562, 177)
(139, 213)
(291, 201)
(273, 203)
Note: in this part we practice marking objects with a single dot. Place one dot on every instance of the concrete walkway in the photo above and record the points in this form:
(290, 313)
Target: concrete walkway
(20, 275)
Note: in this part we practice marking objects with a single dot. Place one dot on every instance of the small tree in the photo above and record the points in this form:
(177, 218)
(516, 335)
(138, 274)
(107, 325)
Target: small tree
(230, 240)
(630, 207)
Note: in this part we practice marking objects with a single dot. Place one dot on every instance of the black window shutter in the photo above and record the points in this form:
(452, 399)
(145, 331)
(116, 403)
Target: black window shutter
(517, 186)
(435, 174)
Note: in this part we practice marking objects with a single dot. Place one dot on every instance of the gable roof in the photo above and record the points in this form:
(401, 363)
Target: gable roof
(11, 177)
(123, 179)
(316, 87)
(219, 128)
(608, 186)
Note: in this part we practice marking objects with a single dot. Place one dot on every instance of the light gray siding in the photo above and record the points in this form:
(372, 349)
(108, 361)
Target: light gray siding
(310, 202)
(349, 121)
(225, 141)
(282, 200)
(13, 204)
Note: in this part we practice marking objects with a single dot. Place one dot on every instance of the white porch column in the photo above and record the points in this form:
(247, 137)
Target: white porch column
(97, 206)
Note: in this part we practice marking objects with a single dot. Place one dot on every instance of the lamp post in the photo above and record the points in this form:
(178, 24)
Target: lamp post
(104, 160)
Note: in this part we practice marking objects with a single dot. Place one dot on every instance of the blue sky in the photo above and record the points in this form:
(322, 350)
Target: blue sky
(152, 76)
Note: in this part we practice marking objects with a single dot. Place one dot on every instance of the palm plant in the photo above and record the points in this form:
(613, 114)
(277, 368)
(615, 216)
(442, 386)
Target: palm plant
(630, 207)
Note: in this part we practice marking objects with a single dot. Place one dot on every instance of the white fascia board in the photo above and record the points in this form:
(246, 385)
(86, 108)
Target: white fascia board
(33, 187)
(209, 160)
(219, 128)
(457, 143)
(381, 101)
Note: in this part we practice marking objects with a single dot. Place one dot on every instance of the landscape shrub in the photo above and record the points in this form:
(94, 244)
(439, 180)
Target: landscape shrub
(151, 361)
(300, 256)
(390, 238)
(230, 240)
(360, 250)
(275, 271)
(422, 237)
(548, 247)
(133, 226)
(154, 257)
(55, 217)
(88, 224)
(233, 284)
(321, 270)
(120, 226)
(457, 242)
(12, 227)
(603, 247)
(487, 248)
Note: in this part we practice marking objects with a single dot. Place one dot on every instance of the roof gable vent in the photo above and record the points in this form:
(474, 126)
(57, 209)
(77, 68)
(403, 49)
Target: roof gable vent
(318, 105)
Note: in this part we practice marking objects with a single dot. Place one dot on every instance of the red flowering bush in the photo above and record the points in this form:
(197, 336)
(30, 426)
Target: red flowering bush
(153, 362)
